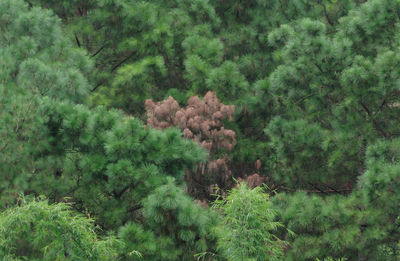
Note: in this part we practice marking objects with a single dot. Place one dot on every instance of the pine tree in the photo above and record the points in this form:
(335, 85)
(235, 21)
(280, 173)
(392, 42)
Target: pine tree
(202, 121)
(338, 92)
(314, 85)
(35, 60)
(102, 160)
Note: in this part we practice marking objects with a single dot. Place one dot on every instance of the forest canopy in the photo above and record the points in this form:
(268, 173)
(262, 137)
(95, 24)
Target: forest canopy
(199, 130)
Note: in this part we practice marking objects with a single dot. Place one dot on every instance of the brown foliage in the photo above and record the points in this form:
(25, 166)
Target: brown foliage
(202, 121)
(254, 180)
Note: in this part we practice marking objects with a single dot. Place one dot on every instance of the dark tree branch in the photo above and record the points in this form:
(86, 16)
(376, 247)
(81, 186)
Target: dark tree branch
(121, 62)
(382, 104)
(314, 191)
(4, 147)
(319, 67)
(97, 86)
(134, 208)
(77, 41)
(315, 187)
(366, 108)
(304, 98)
(332, 188)
(118, 195)
(20, 122)
(327, 15)
(374, 122)
(328, 19)
(98, 51)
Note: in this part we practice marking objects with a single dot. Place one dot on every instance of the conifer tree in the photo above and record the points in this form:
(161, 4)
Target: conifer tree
(109, 162)
(315, 89)
(202, 121)
(337, 94)
(174, 228)
(35, 60)
(103, 161)
(338, 91)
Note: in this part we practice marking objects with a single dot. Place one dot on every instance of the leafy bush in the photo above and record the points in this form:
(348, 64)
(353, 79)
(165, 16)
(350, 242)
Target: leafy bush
(248, 226)
(37, 230)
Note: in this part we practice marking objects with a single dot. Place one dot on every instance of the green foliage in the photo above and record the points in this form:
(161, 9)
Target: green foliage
(323, 227)
(379, 182)
(296, 143)
(174, 227)
(378, 186)
(332, 259)
(248, 226)
(138, 46)
(227, 81)
(329, 81)
(181, 227)
(35, 60)
(108, 162)
(337, 92)
(37, 57)
(315, 85)
(335, 226)
(37, 230)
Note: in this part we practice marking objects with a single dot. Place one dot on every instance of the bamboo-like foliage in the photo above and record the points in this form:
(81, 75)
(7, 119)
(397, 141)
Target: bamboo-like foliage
(37, 230)
(248, 226)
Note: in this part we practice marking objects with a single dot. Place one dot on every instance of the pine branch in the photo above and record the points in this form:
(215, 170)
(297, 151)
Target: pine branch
(77, 40)
(375, 123)
(97, 86)
(314, 191)
(98, 51)
(119, 194)
(121, 62)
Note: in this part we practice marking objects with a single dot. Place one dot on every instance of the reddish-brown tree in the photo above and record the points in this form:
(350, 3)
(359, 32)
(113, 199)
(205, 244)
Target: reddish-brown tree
(202, 121)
